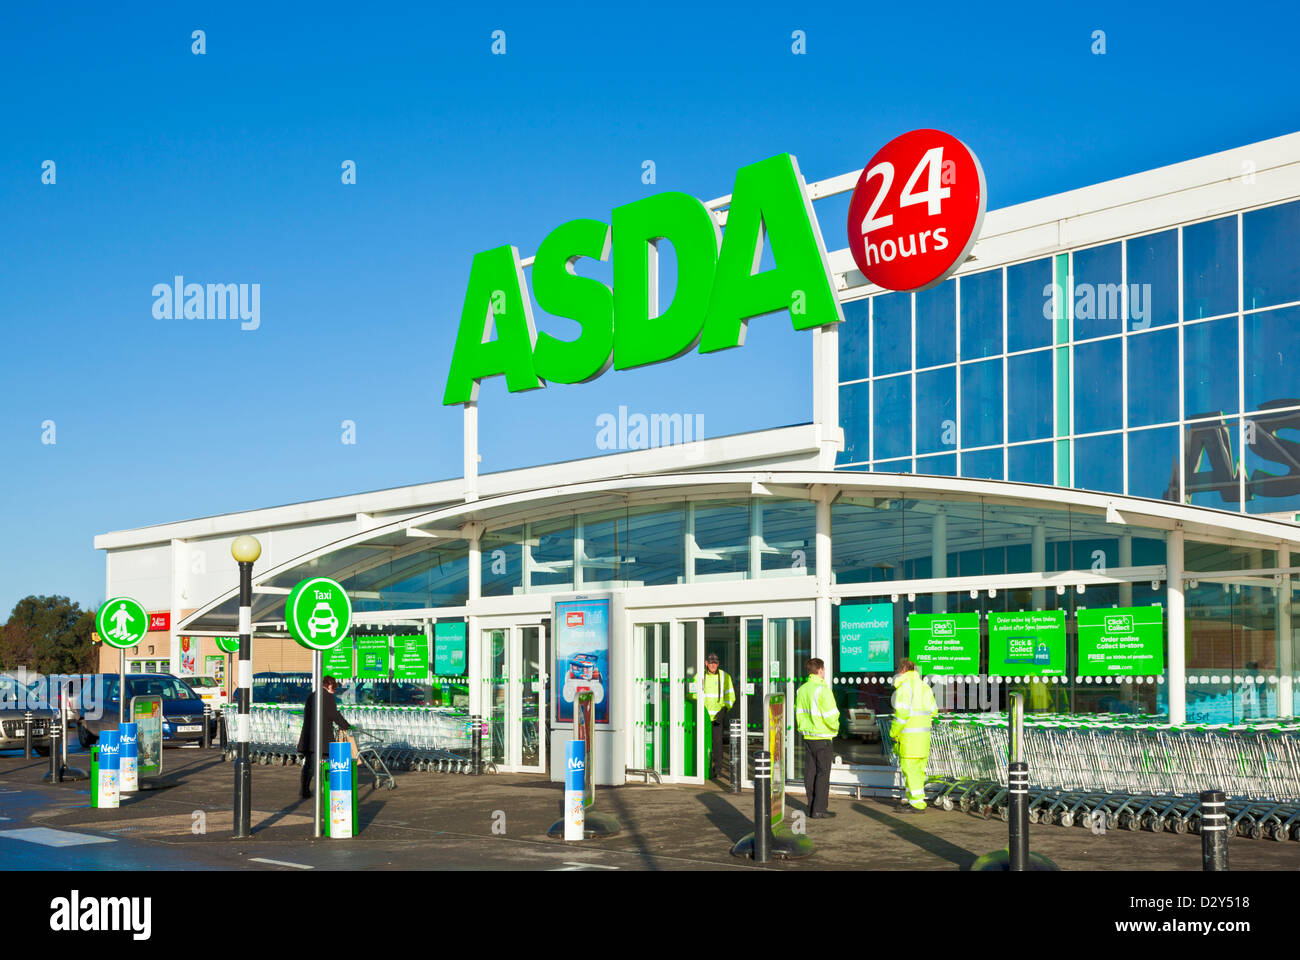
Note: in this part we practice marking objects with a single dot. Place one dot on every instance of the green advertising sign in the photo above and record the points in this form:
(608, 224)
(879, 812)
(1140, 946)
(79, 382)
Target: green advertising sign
(147, 714)
(318, 613)
(718, 289)
(411, 657)
(338, 661)
(372, 658)
(1121, 641)
(1028, 643)
(866, 638)
(227, 644)
(944, 643)
(449, 649)
(121, 622)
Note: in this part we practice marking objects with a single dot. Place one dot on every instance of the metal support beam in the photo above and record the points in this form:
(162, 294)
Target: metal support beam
(1177, 628)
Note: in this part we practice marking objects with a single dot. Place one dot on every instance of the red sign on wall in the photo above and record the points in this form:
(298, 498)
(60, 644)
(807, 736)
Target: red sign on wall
(160, 621)
(916, 211)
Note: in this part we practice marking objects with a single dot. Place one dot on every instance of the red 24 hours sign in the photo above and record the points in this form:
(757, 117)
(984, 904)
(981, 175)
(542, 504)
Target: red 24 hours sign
(916, 211)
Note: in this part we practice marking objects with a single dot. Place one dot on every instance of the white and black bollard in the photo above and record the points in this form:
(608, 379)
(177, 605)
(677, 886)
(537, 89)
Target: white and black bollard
(27, 735)
(1018, 819)
(762, 806)
(207, 726)
(56, 758)
(1214, 831)
(223, 742)
(736, 734)
(245, 550)
(476, 745)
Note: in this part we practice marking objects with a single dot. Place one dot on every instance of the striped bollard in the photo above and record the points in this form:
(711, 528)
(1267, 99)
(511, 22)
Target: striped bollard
(1214, 831)
(762, 806)
(1018, 819)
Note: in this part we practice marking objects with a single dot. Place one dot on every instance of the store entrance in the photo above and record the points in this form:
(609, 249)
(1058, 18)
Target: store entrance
(513, 663)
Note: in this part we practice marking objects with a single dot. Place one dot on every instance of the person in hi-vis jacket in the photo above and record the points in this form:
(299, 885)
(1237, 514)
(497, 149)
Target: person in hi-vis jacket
(719, 697)
(914, 710)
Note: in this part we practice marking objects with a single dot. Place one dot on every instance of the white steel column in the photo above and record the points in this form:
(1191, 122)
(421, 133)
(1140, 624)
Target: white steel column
(579, 551)
(689, 548)
(1126, 560)
(939, 556)
(471, 449)
(1038, 559)
(473, 643)
(755, 539)
(822, 619)
(179, 592)
(1285, 638)
(1177, 628)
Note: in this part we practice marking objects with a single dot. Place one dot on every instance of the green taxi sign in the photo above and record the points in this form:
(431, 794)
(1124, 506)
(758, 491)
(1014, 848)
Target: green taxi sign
(121, 622)
(227, 644)
(318, 613)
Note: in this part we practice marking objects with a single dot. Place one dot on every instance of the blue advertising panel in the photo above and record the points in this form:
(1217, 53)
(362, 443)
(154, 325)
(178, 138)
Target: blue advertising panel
(866, 637)
(582, 655)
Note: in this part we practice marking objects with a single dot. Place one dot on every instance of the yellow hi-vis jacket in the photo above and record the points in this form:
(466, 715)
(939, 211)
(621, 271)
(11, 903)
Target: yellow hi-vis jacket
(719, 692)
(815, 713)
(914, 710)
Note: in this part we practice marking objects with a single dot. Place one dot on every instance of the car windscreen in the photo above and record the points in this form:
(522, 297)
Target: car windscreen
(169, 688)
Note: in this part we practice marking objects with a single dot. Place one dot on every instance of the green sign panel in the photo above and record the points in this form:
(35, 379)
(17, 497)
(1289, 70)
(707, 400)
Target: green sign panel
(1028, 643)
(227, 644)
(411, 657)
(944, 643)
(121, 622)
(1121, 641)
(318, 612)
(449, 649)
(372, 658)
(147, 714)
(338, 661)
(866, 638)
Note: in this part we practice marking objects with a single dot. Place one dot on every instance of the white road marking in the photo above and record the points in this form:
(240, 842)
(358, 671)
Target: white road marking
(571, 865)
(53, 838)
(282, 863)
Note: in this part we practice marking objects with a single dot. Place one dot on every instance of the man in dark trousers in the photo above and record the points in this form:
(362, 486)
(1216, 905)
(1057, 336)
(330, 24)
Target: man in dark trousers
(332, 718)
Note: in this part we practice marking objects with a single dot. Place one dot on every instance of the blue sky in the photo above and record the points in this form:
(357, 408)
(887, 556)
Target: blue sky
(225, 168)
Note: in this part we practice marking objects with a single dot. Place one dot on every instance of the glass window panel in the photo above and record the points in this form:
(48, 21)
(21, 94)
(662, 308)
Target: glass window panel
(552, 555)
(1031, 463)
(891, 332)
(854, 413)
(936, 325)
(1210, 464)
(1098, 387)
(1029, 305)
(981, 403)
(789, 537)
(944, 465)
(1272, 344)
(1152, 376)
(893, 466)
(1270, 242)
(982, 464)
(1210, 268)
(1210, 368)
(981, 314)
(1098, 304)
(1029, 396)
(936, 410)
(722, 539)
(866, 540)
(892, 422)
(1099, 463)
(855, 341)
(655, 544)
(1153, 464)
(1272, 445)
(604, 547)
(501, 555)
(1153, 280)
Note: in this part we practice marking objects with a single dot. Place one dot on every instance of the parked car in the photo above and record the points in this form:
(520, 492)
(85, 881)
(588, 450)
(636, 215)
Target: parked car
(182, 708)
(211, 689)
(16, 699)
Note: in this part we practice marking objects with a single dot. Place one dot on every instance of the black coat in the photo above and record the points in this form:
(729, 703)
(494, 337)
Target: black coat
(332, 718)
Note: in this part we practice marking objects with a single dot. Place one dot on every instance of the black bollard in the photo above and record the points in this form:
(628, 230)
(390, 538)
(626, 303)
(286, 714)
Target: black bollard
(56, 758)
(27, 735)
(207, 732)
(222, 736)
(1018, 819)
(762, 806)
(475, 745)
(1214, 831)
(735, 756)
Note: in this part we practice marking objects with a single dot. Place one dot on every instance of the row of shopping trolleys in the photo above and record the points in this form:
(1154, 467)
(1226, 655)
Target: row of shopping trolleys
(1125, 772)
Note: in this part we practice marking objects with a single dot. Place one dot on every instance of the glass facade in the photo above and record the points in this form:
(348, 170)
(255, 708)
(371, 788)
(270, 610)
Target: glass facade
(1160, 365)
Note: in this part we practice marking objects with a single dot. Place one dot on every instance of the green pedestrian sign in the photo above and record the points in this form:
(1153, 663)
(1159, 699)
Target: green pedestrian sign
(318, 613)
(121, 622)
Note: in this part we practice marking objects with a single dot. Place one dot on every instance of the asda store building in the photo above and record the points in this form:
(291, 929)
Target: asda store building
(1066, 469)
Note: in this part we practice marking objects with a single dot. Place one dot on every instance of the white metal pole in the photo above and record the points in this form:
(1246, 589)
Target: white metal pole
(121, 693)
(317, 738)
(939, 556)
(471, 449)
(1177, 628)
(1126, 560)
(1285, 639)
(1038, 560)
(822, 620)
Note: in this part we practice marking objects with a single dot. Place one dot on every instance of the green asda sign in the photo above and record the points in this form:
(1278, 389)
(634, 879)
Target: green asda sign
(411, 657)
(1121, 641)
(372, 658)
(1028, 643)
(717, 291)
(944, 643)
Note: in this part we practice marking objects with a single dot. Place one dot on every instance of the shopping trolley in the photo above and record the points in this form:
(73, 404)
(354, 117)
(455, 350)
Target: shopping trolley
(372, 744)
